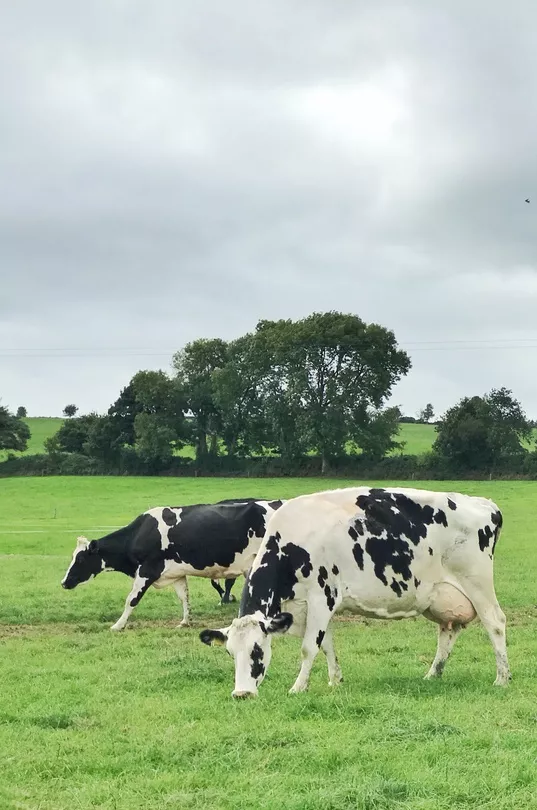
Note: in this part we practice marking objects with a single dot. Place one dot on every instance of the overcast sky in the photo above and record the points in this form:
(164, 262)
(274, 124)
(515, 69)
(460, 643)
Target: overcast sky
(173, 170)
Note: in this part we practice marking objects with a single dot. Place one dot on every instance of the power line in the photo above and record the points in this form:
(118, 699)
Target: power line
(425, 345)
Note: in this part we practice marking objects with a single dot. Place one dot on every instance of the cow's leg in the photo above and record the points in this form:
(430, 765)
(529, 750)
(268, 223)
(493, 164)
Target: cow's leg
(447, 636)
(316, 626)
(181, 589)
(216, 585)
(139, 587)
(493, 620)
(228, 596)
(334, 670)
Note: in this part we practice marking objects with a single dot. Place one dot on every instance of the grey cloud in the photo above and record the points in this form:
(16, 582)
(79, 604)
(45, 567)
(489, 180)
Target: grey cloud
(175, 170)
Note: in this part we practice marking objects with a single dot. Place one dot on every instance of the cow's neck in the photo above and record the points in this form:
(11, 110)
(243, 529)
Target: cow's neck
(114, 550)
(264, 591)
(274, 578)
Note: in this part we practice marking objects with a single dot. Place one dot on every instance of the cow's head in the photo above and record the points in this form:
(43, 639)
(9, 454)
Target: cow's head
(86, 563)
(248, 640)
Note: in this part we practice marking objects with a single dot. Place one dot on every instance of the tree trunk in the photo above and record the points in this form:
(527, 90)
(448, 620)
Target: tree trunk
(324, 464)
(213, 445)
(201, 445)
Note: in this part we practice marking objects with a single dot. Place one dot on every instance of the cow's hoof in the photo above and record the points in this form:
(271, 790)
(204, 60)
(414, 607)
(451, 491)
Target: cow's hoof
(183, 624)
(116, 628)
(504, 681)
(296, 690)
(432, 675)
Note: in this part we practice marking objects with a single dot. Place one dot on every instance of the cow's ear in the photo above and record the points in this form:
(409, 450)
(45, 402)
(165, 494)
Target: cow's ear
(280, 623)
(213, 637)
(93, 547)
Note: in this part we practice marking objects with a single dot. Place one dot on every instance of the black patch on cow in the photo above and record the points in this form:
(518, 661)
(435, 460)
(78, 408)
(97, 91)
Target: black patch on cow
(169, 517)
(396, 514)
(213, 535)
(275, 504)
(430, 551)
(330, 601)
(497, 520)
(320, 636)
(440, 518)
(417, 582)
(356, 528)
(451, 504)
(485, 536)
(335, 570)
(358, 554)
(273, 581)
(323, 576)
(257, 656)
(391, 552)
(396, 587)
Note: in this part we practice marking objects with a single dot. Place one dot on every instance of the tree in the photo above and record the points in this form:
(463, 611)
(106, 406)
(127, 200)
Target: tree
(72, 436)
(22, 413)
(70, 410)
(14, 433)
(333, 370)
(479, 432)
(150, 392)
(195, 367)
(154, 440)
(426, 414)
(375, 432)
(237, 396)
(103, 441)
(123, 413)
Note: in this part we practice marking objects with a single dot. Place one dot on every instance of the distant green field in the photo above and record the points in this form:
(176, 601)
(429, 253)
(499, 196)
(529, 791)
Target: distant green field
(41, 428)
(89, 719)
(418, 439)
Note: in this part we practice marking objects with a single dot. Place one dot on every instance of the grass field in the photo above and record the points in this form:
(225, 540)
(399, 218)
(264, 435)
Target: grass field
(41, 428)
(418, 438)
(89, 719)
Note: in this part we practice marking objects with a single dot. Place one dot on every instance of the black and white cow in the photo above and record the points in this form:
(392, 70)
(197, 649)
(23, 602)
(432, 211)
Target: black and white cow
(385, 553)
(165, 545)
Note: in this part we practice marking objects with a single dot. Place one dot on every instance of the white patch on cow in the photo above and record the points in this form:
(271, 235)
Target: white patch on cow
(137, 588)
(162, 525)
(81, 544)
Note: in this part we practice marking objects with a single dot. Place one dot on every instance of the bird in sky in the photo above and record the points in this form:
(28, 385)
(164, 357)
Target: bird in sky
(526, 201)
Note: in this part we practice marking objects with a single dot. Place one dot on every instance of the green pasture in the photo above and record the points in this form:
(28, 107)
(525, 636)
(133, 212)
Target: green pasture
(417, 439)
(91, 719)
(41, 428)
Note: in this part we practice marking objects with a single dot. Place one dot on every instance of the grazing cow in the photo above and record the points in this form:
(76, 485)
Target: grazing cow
(165, 545)
(385, 553)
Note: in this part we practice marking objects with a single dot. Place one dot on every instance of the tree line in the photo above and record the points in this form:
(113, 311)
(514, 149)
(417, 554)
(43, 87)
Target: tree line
(308, 392)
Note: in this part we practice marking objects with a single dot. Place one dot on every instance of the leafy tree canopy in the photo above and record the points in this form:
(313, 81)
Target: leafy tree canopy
(14, 433)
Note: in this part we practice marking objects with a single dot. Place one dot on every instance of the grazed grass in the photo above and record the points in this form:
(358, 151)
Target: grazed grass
(89, 719)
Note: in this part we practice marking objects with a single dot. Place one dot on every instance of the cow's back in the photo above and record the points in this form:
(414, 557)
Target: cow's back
(384, 548)
(211, 537)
